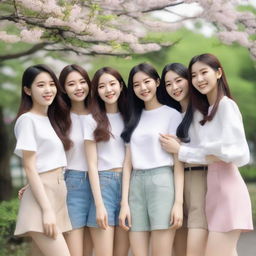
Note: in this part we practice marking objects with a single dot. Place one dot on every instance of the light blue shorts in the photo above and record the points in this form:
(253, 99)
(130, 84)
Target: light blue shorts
(79, 197)
(111, 190)
(151, 198)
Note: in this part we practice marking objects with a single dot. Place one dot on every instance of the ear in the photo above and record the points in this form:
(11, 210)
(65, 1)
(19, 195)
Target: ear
(157, 82)
(27, 90)
(219, 73)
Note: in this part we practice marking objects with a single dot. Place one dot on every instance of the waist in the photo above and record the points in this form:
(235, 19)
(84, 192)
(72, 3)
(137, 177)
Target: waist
(196, 168)
(157, 170)
(113, 170)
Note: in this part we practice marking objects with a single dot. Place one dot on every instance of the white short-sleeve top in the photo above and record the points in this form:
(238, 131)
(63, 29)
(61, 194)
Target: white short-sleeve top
(223, 137)
(110, 153)
(76, 159)
(146, 150)
(35, 133)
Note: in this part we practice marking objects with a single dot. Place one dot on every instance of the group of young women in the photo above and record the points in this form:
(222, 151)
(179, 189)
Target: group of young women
(157, 158)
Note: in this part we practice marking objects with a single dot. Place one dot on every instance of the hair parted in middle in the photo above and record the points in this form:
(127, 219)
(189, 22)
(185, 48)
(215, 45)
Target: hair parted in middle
(97, 105)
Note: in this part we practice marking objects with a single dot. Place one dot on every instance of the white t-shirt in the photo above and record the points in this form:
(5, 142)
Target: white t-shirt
(145, 146)
(76, 159)
(35, 133)
(110, 153)
(223, 137)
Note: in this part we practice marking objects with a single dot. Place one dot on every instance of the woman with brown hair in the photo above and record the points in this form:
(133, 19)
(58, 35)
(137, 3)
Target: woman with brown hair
(105, 152)
(41, 130)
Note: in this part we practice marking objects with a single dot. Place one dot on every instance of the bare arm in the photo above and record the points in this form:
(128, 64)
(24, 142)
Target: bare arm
(37, 188)
(91, 155)
(177, 211)
(125, 210)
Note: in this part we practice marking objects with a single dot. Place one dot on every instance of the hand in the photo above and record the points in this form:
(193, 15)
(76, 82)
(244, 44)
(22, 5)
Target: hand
(170, 143)
(212, 159)
(21, 191)
(49, 223)
(102, 216)
(176, 216)
(123, 216)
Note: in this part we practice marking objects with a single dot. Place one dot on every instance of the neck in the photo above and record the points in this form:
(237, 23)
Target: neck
(39, 110)
(78, 107)
(152, 104)
(212, 96)
(111, 108)
(184, 105)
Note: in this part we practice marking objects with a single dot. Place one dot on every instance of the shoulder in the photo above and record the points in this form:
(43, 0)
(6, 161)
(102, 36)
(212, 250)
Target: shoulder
(25, 119)
(88, 120)
(228, 107)
(172, 112)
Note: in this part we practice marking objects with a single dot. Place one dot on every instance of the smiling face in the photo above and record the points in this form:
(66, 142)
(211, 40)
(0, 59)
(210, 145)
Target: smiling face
(176, 86)
(205, 79)
(76, 87)
(145, 87)
(42, 91)
(109, 89)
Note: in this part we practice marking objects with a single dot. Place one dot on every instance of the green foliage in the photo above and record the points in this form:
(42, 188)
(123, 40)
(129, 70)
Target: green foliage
(247, 8)
(252, 191)
(248, 173)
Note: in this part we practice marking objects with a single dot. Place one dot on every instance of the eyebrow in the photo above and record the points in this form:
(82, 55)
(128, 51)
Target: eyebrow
(114, 80)
(148, 77)
(42, 81)
(199, 70)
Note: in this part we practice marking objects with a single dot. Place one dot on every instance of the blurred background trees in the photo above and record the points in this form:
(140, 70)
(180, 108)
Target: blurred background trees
(121, 34)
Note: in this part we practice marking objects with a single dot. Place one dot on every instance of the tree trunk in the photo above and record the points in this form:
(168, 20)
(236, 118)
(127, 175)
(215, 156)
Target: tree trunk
(5, 156)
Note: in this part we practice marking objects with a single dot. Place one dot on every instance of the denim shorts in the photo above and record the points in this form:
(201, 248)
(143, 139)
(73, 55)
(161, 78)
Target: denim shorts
(79, 197)
(111, 192)
(151, 198)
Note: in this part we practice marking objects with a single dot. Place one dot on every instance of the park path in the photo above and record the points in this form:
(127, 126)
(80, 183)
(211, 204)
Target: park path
(247, 244)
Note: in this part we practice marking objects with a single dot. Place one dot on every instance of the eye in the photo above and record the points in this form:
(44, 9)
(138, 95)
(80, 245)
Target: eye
(135, 85)
(71, 84)
(83, 82)
(193, 75)
(112, 84)
(40, 85)
(101, 86)
(178, 80)
(147, 81)
(168, 84)
(52, 84)
(205, 72)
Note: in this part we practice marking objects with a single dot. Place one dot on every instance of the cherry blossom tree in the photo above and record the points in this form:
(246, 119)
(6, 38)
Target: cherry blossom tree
(115, 27)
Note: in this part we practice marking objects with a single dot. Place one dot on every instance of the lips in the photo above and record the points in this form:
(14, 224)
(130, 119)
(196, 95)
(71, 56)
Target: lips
(110, 96)
(47, 97)
(144, 94)
(177, 93)
(79, 94)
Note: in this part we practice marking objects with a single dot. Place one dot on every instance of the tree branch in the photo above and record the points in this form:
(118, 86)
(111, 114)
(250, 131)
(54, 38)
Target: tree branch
(32, 50)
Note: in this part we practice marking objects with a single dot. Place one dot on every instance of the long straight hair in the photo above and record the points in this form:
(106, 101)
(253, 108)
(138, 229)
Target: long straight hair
(97, 105)
(62, 79)
(198, 100)
(182, 71)
(57, 111)
(136, 104)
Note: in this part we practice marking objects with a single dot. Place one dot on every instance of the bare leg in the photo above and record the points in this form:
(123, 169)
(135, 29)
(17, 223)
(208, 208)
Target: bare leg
(196, 241)
(49, 246)
(103, 241)
(88, 245)
(139, 243)
(75, 240)
(121, 242)
(180, 241)
(34, 250)
(222, 244)
(162, 241)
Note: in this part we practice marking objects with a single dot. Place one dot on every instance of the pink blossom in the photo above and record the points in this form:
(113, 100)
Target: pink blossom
(31, 36)
(8, 38)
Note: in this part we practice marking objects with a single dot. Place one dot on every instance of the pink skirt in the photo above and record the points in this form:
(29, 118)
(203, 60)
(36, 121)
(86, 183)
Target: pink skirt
(228, 204)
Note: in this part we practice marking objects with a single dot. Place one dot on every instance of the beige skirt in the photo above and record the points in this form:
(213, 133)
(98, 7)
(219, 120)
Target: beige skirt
(30, 214)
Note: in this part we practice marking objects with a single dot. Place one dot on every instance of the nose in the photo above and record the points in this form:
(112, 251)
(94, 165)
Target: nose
(199, 78)
(78, 86)
(143, 87)
(47, 88)
(174, 86)
(108, 88)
